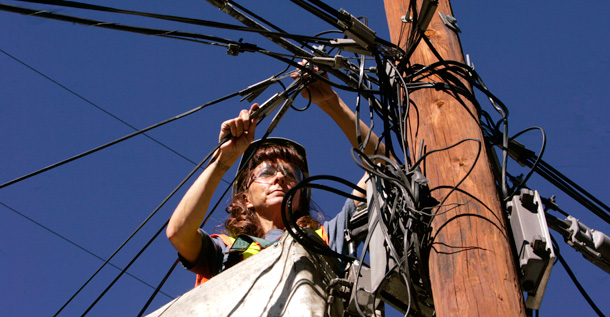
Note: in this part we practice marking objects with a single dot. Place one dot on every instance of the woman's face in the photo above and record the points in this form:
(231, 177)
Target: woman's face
(269, 182)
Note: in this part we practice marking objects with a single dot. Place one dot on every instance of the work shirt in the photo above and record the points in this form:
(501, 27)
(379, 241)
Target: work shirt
(214, 252)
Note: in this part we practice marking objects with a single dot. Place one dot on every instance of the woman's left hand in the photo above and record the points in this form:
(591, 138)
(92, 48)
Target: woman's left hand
(319, 92)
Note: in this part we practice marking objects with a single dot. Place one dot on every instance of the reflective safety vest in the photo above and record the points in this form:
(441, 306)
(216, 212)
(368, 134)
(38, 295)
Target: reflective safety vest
(245, 246)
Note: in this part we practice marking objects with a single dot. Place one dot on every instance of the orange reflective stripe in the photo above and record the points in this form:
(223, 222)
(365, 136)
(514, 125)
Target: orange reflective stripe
(323, 234)
(225, 239)
(200, 279)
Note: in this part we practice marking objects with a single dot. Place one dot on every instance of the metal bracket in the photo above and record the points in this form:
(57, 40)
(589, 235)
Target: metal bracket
(594, 245)
(450, 22)
(407, 18)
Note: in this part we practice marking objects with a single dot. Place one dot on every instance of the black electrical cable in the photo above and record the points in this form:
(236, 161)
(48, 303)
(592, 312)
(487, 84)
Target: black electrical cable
(98, 107)
(158, 288)
(308, 102)
(128, 28)
(292, 88)
(228, 9)
(291, 47)
(296, 232)
(198, 22)
(453, 82)
(572, 189)
(549, 203)
(134, 233)
(281, 58)
(476, 159)
(473, 78)
(101, 147)
(363, 144)
(365, 248)
(256, 16)
(330, 10)
(574, 279)
(385, 115)
(445, 74)
(317, 12)
(150, 241)
(77, 245)
(403, 26)
(477, 82)
(402, 118)
(339, 17)
(534, 165)
(559, 180)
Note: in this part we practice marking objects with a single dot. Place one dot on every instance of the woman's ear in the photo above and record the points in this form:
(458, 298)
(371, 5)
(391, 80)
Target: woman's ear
(249, 205)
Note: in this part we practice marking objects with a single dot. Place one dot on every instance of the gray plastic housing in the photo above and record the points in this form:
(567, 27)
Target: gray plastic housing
(533, 244)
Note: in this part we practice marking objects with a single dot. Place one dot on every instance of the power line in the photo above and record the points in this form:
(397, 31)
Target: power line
(76, 245)
(121, 139)
(312, 1)
(151, 214)
(199, 22)
(95, 105)
(99, 107)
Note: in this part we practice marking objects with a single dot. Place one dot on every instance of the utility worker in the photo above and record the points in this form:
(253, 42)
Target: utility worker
(276, 166)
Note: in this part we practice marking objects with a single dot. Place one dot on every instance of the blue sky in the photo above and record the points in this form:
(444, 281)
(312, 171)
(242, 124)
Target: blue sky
(548, 63)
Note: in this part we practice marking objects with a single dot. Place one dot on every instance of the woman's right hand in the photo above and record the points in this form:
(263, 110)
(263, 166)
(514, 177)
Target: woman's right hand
(242, 131)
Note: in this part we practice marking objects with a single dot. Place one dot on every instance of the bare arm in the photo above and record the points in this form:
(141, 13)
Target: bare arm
(183, 227)
(329, 101)
(346, 120)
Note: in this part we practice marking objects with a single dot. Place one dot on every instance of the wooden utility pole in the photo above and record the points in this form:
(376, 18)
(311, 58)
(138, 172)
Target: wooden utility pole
(471, 265)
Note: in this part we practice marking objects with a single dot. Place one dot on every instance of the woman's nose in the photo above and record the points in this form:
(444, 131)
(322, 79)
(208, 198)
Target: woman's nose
(279, 177)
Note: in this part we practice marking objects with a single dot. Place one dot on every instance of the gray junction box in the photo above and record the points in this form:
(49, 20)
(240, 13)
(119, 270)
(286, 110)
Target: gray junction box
(533, 244)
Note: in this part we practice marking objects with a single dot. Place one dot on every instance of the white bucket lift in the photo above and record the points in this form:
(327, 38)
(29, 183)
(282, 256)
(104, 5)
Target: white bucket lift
(282, 280)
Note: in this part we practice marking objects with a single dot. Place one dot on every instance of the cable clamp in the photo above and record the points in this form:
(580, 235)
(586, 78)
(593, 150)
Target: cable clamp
(349, 45)
(268, 106)
(356, 30)
(235, 48)
(336, 62)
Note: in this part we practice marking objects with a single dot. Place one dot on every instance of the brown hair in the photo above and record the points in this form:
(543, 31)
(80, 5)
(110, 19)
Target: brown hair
(244, 220)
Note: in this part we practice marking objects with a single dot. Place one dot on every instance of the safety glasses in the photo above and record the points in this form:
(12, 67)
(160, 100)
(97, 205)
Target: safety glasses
(266, 173)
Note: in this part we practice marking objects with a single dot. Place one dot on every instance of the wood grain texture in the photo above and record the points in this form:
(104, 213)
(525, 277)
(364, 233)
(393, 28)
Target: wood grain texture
(471, 264)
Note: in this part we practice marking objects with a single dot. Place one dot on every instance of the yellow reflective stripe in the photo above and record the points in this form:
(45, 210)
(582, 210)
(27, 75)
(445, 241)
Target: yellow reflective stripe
(255, 248)
(323, 234)
(319, 232)
(252, 249)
